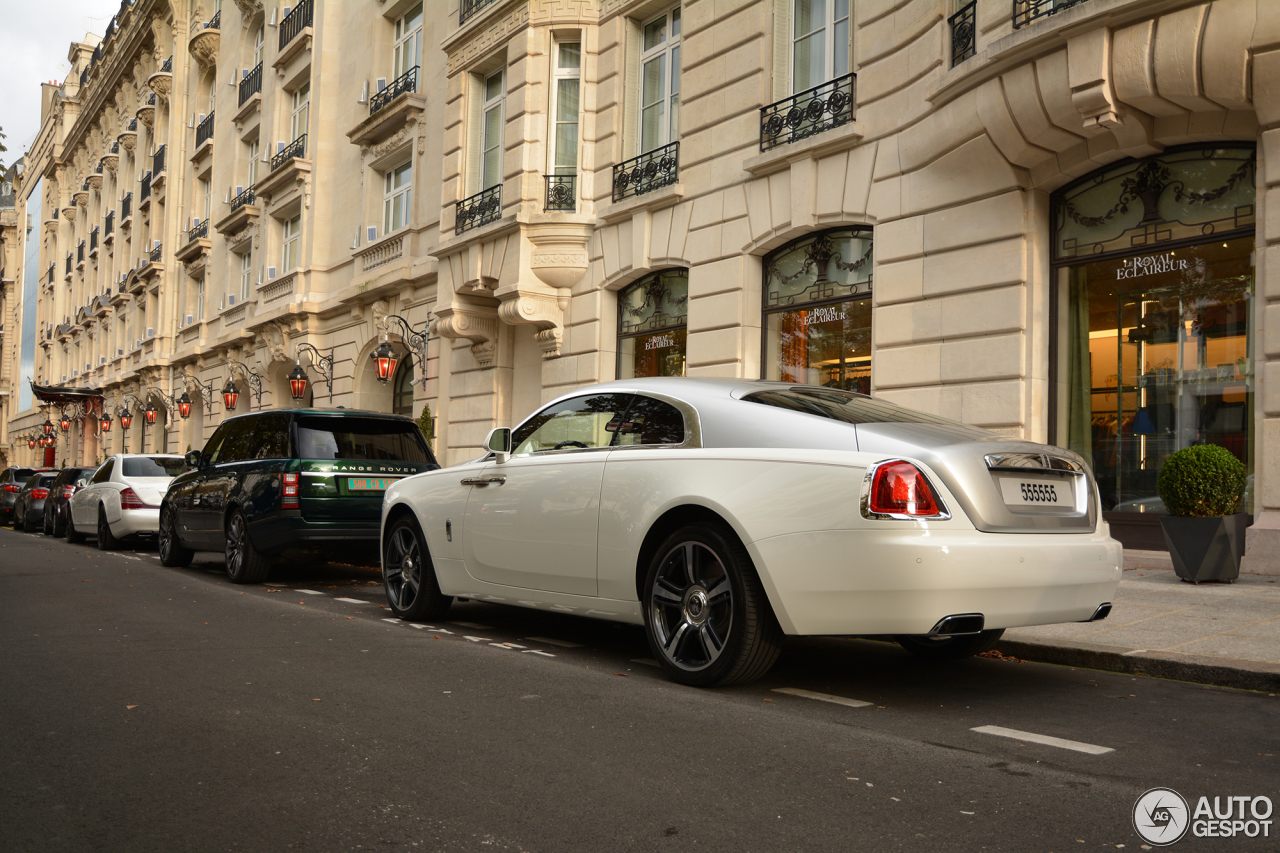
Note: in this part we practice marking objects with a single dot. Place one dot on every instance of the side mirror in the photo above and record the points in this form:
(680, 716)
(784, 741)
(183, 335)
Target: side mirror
(192, 458)
(499, 444)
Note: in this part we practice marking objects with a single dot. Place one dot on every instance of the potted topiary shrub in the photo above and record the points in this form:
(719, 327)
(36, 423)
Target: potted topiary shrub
(1201, 487)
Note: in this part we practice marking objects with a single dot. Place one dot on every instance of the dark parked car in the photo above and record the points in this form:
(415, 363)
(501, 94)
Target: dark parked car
(288, 483)
(28, 509)
(69, 481)
(11, 482)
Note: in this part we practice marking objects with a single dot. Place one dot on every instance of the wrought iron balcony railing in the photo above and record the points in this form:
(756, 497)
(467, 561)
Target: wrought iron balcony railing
(480, 209)
(156, 253)
(650, 171)
(50, 279)
(80, 251)
(406, 82)
(157, 160)
(93, 239)
(561, 192)
(132, 125)
(97, 170)
(145, 192)
(204, 130)
(70, 261)
(296, 21)
(167, 67)
(804, 114)
(1026, 11)
(468, 8)
(246, 197)
(126, 206)
(110, 223)
(115, 147)
(251, 84)
(151, 99)
(296, 148)
(214, 23)
(963, 34)
(199, 231)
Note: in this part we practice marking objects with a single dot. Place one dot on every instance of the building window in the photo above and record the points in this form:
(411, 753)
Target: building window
(206, 199)
(289, 252)
(396, 197)
(820, 42)
(252, 172)
(1153, 268)
(495, 93)
(200, 299)
(301, 112)
(660, 81)
(564, 110)
(817, 311)
(259, 39)
(652, 321)
(402, 389)
(246, 275)
(408, 42)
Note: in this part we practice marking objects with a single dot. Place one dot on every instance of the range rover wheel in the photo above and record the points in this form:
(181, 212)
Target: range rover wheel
(106, 540)
(950, 648)
(409, 577)
(244, 563)
(19, 520)
(73, 536)
(705, 613)
(172, 553)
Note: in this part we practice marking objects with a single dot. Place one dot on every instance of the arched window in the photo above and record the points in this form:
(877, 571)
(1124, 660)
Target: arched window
(817, 310)
(402, 388)
(652, 316)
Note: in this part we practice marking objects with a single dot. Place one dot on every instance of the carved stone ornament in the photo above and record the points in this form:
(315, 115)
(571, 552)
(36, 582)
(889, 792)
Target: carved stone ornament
(128, 139)
(204, 47)
(478, 326)
(276, 338)
(95, 182)
(109, 162)
(543, 312)
(236, 242)
(160, 83)
(249, 10)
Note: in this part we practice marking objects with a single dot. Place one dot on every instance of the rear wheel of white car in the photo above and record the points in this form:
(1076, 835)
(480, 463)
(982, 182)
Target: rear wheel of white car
(106, 540)
(410, 579)
(172, 554)
(244, 563)
(951, 648)
(73, 536)
(706, 616)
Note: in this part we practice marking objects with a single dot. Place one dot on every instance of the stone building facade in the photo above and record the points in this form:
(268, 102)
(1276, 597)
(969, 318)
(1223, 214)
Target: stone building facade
(1053, 218)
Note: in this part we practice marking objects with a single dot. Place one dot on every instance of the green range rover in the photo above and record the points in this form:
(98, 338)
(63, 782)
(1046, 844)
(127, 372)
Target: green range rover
(289, 484)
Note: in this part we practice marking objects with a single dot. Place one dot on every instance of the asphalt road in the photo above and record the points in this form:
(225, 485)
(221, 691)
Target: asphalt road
(152, 709)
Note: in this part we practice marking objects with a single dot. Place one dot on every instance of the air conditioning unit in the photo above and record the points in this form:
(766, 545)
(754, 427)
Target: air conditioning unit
(102, 359)
(371, 233)
(137, 344)
(382, 83)
(88, 367)
(151, 332)
(239, 189)
(195, 222)
(364, 93)
(64, 377)
(119, 351)
(271, 273)
(231, 299)
(244, 72)
(280, 146)
(75, 373)
(155, 244)
(190, 320)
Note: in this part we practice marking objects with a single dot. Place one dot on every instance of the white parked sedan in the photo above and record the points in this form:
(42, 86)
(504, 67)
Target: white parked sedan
(725, 514)
(122, 499)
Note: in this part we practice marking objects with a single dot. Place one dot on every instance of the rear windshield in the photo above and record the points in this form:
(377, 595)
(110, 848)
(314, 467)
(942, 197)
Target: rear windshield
(842, 406)
(361, 438)
(21, 475)
(45, 480)
(153, 466)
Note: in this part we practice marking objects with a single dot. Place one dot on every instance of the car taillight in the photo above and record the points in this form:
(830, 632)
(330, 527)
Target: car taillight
(289, 498)
(129, 500)
(899, 488)
(68, 491)
(39, 494)
(12, 488)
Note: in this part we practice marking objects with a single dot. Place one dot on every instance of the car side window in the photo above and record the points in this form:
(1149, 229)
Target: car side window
(104, 473)
(271, 437)
(647, 422)
(213, 450)
(580, 422)
(238, 444)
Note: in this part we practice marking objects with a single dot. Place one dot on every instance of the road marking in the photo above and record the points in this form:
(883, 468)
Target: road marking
(310, 592)
(476, 639)
(351, 600)
(392, 621)
(536, 652)
(646, 661)
(473, 625)
(508, 645)
(561, 643)
(822, 697)
(1031, 737)
(1132, 652)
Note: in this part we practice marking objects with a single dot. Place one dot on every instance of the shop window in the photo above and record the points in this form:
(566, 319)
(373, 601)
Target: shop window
(817, 311)
(652, 321)
(1154, 276)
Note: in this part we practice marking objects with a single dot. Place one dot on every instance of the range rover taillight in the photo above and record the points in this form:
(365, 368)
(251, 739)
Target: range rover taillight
(129, 500)
(289, 497)
(68, 491)
(899, 488)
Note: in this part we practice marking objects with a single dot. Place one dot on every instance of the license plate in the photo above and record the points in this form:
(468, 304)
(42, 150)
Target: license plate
(369, 484)
(1018, 492)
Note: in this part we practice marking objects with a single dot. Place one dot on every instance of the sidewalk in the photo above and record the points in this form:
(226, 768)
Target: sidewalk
(1211, 633)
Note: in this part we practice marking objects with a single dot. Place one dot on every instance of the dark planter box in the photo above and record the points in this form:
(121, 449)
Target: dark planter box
(1205, 549)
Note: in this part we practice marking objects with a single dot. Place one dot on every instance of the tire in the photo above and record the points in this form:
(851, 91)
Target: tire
(172, 553)
(408, 575)
(706, 615)
(46, 526)
(950, 648)
(19, 520)
(244, 563)
(106, 539)
(74, 536)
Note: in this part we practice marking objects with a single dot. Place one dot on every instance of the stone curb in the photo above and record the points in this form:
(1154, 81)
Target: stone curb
(1238, 674)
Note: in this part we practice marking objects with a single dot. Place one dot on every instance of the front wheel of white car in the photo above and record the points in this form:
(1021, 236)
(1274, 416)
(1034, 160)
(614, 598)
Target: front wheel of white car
(407, 573)
(951, 648)
(706, 615)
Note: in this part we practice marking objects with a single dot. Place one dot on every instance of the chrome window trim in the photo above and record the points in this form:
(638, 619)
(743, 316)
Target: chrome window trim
(1037, 462)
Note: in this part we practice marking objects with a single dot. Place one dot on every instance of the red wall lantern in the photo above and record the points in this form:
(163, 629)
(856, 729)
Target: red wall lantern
(230, 394)
(150, 413)
(184, 406)
(31, 443)
(106, 422)
(65, 424)
(385, 360)
(298, 383)
(47, 426)
(126, 418)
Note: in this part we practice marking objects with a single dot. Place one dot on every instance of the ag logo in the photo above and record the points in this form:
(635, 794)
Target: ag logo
(1161, 816)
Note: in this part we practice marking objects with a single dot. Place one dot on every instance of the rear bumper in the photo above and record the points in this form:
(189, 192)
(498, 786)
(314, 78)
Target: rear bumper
(140, 523)
(293, 532)
(903, 582)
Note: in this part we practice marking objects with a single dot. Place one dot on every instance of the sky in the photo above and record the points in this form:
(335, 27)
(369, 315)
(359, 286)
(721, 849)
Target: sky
(34, 40)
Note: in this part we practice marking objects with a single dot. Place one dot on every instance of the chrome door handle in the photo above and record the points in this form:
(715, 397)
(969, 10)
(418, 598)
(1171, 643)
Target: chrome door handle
(483, 481)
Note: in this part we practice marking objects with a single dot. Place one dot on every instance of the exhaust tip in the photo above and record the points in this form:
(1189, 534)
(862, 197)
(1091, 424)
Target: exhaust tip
(959, 625)
(1103, 611)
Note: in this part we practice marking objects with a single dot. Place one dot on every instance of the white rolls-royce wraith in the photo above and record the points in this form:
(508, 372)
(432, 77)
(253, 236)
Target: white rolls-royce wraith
(725, 514)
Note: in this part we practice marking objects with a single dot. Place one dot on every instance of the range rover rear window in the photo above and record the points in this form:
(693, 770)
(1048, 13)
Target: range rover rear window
(361, 438)
(844, 406)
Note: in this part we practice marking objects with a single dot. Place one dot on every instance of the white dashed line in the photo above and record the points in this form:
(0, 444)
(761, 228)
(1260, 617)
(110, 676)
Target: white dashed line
(646, 661)
(536, 652)
(310, 592)
(822, 697)
(561, 643)
(351, 600)
(1031, 737)
(392, 621)
(473, 625)
(507, 645)
(476, 639)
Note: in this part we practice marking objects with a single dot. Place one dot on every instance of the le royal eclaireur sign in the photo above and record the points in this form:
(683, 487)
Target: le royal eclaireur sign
(1150, 265)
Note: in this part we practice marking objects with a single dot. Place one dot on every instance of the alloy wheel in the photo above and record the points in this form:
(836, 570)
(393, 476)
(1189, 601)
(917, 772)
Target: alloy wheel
(235, 545)
(403, 568)
(691, 606)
